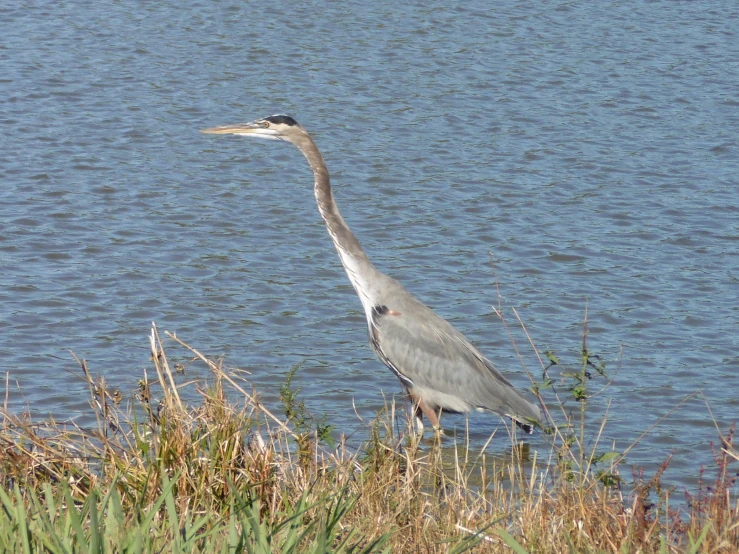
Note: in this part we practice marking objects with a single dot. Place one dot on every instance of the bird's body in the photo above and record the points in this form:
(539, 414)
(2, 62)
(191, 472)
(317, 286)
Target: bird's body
(437, 365)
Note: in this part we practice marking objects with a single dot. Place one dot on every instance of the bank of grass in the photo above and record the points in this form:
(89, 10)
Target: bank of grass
(227, 475)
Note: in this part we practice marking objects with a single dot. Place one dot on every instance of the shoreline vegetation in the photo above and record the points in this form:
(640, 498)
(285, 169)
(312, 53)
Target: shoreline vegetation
(228, 475)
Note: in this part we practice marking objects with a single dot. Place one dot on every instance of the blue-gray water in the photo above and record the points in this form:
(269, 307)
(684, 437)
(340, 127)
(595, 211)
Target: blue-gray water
(591, 147)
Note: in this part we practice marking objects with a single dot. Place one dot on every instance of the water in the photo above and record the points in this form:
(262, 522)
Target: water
(592, 148)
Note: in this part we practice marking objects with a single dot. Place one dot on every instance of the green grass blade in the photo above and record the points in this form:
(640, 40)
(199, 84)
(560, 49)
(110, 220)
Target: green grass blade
(237, 541)
(694, 546)
(7, 503)
(96, 533)
(193, 529)
(114, 517)
(258, 529)
(50, 501)
(44, 515)
(511, 542)
(174, 521)
(662, 546)
(22, 521)
(376, 545)
(74, 517)
(154, 509)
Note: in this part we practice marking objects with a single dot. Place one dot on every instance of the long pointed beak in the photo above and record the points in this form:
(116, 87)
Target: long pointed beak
(237, 129)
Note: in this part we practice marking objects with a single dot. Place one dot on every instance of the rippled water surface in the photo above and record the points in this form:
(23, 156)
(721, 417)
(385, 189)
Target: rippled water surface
(591, 147)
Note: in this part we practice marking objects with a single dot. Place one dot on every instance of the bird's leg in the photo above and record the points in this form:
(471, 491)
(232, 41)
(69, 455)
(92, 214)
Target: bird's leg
(417, 412)
(420, 409)
(419, 417)
(432, 416)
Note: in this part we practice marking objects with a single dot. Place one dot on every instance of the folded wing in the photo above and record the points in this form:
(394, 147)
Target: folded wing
(437, 361)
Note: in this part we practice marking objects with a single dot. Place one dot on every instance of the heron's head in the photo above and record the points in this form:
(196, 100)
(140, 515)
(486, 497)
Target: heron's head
(274, 127)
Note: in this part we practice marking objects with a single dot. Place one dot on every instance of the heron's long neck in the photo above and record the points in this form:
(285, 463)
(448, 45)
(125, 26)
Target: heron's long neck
(356, 263)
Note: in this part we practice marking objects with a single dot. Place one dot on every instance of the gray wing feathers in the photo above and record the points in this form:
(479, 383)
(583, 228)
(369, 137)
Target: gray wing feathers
(434, 356)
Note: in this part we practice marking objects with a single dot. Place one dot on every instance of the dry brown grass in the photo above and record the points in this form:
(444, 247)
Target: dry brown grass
(434, 495)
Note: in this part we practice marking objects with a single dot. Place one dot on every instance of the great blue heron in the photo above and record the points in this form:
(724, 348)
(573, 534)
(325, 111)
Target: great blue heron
(437, 365)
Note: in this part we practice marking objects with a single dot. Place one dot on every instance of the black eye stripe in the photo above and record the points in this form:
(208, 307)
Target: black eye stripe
(283, 119)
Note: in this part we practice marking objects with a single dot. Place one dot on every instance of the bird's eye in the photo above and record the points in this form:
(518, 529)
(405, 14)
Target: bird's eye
(265, 124)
